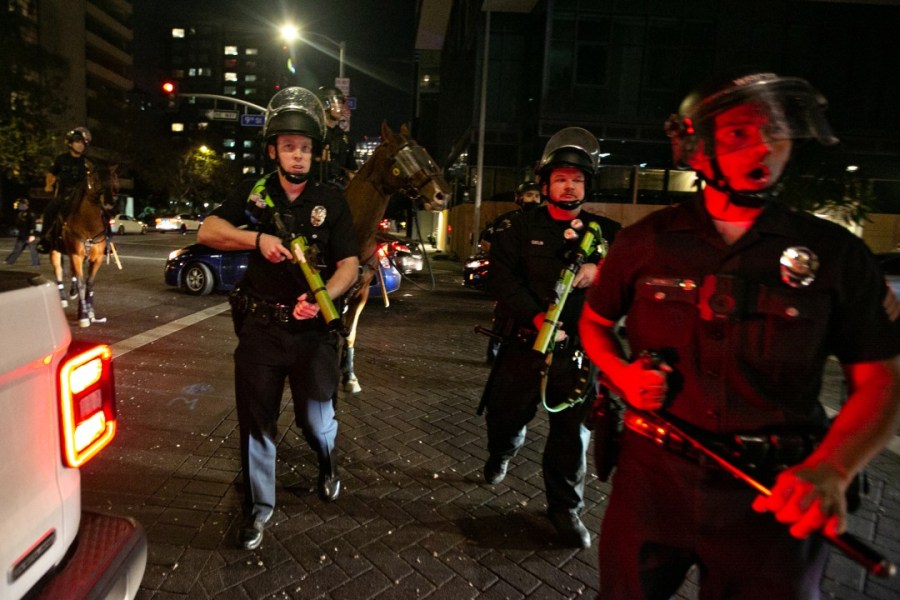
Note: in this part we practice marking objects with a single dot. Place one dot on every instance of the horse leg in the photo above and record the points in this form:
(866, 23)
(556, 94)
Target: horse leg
(56, 261)
(354, 310)
(94, 265)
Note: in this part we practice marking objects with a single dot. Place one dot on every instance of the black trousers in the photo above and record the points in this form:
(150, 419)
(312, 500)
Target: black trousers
(667, 513)
(513, 403)
(266, 355)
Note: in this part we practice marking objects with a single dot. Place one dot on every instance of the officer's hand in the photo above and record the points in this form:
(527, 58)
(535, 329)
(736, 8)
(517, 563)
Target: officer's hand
(539, 322)
(271, 247)
(305, 310)
(585, 275)
(808, 499)
(644, 388)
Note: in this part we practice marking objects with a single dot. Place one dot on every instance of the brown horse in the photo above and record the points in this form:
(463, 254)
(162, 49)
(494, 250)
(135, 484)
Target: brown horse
(397, 165)
(84, 241)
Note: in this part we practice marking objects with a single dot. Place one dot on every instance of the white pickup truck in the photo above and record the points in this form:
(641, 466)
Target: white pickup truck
(57, 411)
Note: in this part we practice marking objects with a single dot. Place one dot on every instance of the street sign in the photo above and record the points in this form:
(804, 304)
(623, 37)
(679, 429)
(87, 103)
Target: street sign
(222, 115)
(351, 102)
(251, 120)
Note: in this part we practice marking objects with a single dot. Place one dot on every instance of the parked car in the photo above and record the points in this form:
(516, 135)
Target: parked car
(475, 271)
(199, 270)
(408, 257)
(122, 224)
(183, 223)
(890, 265)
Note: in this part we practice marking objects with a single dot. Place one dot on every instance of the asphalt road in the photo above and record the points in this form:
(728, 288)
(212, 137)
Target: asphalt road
(414, 519)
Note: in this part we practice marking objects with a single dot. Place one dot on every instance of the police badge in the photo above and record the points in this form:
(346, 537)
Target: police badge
(317, 217)
(798, 266)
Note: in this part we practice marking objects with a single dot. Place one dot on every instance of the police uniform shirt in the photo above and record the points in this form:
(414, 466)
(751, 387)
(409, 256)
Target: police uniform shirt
(341, 151)
(319, 213)
(527, 258)
(748, 349)
(25, 222)
(71, 170)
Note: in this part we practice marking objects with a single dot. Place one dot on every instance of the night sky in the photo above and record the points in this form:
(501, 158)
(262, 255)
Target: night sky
(379, 37)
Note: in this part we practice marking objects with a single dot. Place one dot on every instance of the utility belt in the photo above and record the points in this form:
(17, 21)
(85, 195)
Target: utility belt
(762, 452)
(243, 304)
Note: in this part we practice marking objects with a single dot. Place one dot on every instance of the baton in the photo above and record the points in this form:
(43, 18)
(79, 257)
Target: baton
(114, 252)
(852, 546)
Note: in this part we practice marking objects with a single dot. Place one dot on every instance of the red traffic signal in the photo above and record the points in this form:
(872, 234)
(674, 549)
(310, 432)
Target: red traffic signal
(168, 87)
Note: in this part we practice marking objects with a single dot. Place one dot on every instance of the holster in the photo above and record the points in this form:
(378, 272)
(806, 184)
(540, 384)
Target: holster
(604, 419)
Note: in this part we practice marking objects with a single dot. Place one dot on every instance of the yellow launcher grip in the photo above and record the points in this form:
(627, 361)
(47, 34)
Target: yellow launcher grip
(299, 248)
(547, 335)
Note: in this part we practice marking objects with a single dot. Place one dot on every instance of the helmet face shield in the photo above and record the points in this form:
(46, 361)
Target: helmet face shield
(746, 112)
(79, 134)
(572, 147)
(295, 110)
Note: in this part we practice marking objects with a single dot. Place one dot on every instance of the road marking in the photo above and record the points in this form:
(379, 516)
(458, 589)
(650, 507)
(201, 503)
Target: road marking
(150, 336)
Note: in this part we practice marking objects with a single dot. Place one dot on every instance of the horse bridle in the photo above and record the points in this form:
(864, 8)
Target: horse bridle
(413, 163)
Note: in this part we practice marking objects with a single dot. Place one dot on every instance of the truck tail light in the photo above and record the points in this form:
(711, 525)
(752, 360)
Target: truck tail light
(87, 402)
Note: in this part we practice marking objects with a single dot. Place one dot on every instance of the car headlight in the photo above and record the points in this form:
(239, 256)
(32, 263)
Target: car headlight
(176, 253)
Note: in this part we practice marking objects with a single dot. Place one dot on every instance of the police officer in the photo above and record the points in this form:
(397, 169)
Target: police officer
(339, 162)
(527, 257)
(68, 170)
(744, 300)
(280, 333)
(25, 224)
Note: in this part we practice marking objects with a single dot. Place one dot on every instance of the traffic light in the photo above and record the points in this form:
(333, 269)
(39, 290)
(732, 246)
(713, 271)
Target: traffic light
(170, 90)
(168, 87)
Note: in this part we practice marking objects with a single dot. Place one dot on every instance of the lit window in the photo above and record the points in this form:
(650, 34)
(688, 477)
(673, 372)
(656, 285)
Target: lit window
(177, 32)
(248, 143)
(249, 91)
(249, 77)
(177, 127)
(202, 126)
(204, 72)
(192, 72)
(252, 51)
(230, 76)
(228, 143)
(249, 170)
(229, 90)
(229, 156)
(231, 50)
(249, 156)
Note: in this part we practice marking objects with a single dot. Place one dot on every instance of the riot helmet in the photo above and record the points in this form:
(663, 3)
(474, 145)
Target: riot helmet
(79, 134)
(790, 107)
(296, 111)
(526, 188)
(570, 147)
(332, 99)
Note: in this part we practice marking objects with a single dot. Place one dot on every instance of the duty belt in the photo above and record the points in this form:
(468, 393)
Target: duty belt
(764, 451)
(245, 304)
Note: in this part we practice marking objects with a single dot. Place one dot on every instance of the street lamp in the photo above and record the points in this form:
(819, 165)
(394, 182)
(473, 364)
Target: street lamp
(290, 33)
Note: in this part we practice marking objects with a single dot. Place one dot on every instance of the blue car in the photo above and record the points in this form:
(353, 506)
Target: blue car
(199, 270)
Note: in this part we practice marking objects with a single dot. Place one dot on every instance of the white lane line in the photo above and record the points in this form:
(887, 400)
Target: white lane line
(893, 445)
(150, 336)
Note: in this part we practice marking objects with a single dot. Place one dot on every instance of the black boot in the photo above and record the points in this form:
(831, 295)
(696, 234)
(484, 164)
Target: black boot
(329, 482)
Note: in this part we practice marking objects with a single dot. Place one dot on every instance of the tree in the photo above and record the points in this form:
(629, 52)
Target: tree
(29, 101)
(202, 177)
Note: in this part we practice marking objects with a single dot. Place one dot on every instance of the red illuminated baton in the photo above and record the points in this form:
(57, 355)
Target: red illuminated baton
(847, 543)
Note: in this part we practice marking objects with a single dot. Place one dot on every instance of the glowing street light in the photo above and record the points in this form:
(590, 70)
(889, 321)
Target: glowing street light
(291, 33)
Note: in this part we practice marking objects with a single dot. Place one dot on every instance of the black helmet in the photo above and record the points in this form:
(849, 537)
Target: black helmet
(571, 147)
(795, 110)
(79, 134)
(527, 186)
(329, 96)
(295, 110)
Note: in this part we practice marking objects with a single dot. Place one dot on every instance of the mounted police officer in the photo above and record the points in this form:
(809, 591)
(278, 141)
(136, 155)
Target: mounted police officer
(276, 318)
(528, 253)
(742, 300)
(67, 172)
(338, 159)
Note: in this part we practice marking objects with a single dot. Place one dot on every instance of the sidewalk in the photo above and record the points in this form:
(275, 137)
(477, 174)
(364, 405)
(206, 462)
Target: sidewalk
(414, 519)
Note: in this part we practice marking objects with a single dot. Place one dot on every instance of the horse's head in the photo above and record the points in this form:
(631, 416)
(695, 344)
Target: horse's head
(412, 170)
(92, 184)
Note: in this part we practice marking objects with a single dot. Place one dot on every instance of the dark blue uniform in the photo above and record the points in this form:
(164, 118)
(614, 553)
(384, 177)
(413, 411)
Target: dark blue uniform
(748, 352)
(273, 345)
(527, 257)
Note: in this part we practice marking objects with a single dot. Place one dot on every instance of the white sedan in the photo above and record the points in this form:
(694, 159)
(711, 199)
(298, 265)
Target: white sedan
(183, 223)
(122, 224)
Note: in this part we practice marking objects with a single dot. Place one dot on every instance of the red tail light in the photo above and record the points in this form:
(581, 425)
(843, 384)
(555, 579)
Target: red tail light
(87, 403)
